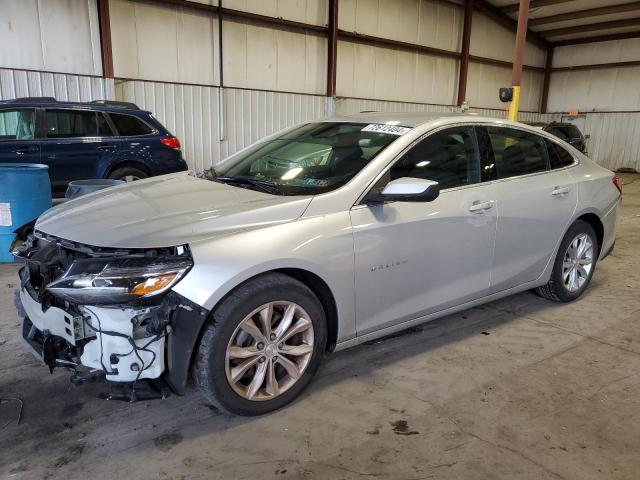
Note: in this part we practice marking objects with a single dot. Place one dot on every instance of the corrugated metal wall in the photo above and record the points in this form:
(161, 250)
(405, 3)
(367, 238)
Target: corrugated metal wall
(192, 114)
(18, 83)
(615, 139)
(58, 36)
(613, 89)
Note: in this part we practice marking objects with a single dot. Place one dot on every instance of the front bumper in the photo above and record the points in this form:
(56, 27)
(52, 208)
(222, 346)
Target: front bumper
(98, 338)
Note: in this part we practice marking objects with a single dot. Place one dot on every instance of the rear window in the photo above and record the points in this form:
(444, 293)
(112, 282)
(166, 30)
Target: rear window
(17, 124)
(129, 126)
(517, 152)
(558, 156)
(64, 123)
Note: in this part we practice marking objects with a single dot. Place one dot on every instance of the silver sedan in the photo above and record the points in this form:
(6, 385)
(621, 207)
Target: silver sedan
(317, 238)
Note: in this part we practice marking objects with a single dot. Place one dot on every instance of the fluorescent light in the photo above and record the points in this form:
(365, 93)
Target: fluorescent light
(423, 163)
(293, 173)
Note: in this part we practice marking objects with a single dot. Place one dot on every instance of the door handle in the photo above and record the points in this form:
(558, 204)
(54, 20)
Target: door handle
(23, 150)
(479, 207)
(106, 148)
(560, 191)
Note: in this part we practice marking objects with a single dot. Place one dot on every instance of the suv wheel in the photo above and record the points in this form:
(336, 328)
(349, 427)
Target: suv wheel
(574, 264)
(262, 347)
(128, 174)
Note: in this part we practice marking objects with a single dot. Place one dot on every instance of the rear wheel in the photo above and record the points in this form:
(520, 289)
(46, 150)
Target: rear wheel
(574, 264)
(128, 174)
(262, 347)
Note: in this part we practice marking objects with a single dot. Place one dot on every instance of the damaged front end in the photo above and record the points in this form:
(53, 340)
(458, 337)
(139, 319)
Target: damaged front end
(106, 311)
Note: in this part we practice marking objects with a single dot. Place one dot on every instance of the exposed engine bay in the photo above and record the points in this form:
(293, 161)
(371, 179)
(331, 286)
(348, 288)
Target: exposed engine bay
(106, 312)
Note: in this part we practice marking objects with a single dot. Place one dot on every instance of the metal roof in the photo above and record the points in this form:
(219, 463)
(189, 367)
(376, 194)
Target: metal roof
(578, 21)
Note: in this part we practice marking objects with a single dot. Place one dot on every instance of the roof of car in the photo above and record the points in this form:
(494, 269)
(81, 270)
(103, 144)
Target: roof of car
(412, 119)
(50, 101)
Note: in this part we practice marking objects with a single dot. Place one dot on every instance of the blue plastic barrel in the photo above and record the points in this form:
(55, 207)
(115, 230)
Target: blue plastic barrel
(25, 192)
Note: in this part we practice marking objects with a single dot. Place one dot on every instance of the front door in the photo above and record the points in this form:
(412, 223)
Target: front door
(412, 259)
(17, 136)
(535, 204)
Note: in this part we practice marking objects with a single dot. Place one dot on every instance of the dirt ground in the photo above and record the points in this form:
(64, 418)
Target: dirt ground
(520, 388)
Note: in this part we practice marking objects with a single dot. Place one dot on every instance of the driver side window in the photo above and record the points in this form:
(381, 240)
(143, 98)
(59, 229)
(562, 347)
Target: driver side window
(449, 157)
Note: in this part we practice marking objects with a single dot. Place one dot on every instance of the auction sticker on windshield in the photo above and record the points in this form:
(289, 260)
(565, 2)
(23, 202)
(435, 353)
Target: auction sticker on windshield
(391, 129)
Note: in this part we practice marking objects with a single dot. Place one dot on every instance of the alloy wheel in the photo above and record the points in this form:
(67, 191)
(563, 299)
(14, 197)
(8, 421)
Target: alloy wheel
(130, 178)
(269, 350)
(577, 262)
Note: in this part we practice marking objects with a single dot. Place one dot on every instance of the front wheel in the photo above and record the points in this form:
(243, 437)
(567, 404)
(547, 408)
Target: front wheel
(574, 264)
(262, 346)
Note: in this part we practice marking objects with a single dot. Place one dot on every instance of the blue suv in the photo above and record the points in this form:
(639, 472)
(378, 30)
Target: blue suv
(80, 140)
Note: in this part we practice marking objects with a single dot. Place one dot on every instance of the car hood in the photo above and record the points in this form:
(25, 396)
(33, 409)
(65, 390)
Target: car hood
(166, 211)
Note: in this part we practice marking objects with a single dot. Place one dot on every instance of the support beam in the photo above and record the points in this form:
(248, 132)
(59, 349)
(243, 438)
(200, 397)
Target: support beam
(598, 66)
(387, 42)
(106, 49)
(516, 74)
(548, 69)
(597, 38)
(464, 55)
(332, 54)
(592, 27)
(589, 13)
(533, 4)
(498, 16)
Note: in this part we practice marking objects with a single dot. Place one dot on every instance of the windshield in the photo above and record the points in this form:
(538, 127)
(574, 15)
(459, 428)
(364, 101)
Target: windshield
(310, 159)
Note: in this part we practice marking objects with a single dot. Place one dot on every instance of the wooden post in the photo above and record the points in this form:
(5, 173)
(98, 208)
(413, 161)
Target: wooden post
(106, 51)
(547, 78)
(516, 74)
(464, 55)
(332, 53)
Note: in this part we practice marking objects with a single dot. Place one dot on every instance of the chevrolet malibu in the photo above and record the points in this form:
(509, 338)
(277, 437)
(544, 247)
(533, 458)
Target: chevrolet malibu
(317, 238)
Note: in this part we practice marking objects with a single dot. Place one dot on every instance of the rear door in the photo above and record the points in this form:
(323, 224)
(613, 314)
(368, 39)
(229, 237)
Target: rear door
(17, 136)
(534, 202)
(76, 145)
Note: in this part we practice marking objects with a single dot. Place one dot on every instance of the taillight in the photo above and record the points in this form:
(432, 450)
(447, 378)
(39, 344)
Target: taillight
(171, 142)
(617, 183)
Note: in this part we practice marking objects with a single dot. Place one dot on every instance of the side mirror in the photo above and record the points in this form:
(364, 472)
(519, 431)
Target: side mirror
(406, 189)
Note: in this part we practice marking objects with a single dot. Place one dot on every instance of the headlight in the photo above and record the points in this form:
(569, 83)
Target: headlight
(94, 281)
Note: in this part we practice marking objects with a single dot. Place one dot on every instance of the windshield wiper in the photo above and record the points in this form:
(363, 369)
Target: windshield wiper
(264, 185)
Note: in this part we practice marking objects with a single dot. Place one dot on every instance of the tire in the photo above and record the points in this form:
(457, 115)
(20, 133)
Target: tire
(214, 365)
(128, 174)
(560, 288)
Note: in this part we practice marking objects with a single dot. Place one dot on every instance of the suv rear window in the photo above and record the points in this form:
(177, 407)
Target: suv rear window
(66, 123)
(17, 124)
(129, 126)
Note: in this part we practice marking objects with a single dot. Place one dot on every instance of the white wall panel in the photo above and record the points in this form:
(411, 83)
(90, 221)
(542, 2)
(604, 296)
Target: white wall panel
(594, 53)
(491, 40)
(166, 43)
(613, 89)
(258, 56)
(192, 114)
(485, 80)
(425, 22)
(53, 35)
(18, 83)
(314, 12)
(614, 139)
(366, 71)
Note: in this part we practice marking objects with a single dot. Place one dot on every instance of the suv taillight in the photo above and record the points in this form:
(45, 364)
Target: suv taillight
(171, 142)
(617, 183)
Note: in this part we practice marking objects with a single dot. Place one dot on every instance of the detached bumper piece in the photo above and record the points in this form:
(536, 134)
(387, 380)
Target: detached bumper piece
(124, 344)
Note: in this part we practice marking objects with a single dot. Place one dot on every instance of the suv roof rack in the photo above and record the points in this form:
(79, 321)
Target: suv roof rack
(30, 100)
(114, 103)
